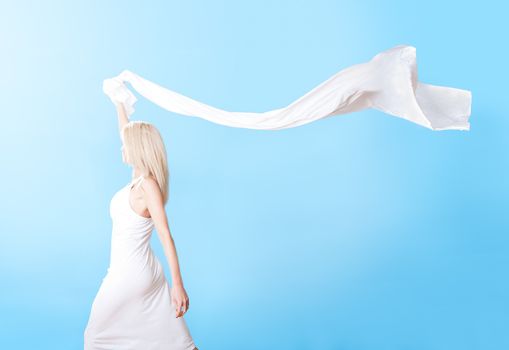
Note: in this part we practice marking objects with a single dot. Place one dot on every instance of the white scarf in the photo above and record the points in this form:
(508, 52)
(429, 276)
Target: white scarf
(388, 82)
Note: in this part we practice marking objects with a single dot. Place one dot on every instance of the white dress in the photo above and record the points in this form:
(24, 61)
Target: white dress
(132, 309)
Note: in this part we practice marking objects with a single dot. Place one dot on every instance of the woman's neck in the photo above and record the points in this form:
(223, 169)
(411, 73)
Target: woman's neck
(136, 173)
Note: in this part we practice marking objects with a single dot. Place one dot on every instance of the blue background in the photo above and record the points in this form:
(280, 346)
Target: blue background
(360, 231)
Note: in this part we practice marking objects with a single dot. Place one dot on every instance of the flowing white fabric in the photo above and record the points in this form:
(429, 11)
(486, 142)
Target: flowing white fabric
(388, 82)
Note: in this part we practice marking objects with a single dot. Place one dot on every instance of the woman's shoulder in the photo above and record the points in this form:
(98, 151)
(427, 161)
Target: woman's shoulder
(149, 183)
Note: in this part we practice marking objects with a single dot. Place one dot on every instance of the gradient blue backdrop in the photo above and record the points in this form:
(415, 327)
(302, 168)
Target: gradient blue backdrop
(361, 231)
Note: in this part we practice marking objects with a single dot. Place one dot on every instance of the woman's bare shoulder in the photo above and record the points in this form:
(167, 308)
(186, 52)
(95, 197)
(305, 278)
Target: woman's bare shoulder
(149, 184)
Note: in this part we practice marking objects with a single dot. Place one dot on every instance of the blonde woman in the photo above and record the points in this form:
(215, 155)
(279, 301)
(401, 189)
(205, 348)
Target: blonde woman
(135, 308)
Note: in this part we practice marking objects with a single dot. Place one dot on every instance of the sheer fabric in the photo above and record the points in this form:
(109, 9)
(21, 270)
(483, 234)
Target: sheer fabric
(388, 82)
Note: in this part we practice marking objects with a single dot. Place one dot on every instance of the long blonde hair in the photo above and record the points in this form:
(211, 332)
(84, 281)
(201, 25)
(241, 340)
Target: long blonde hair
(145, 150)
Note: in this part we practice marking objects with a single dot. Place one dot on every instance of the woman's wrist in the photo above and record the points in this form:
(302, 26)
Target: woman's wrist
(178, 284)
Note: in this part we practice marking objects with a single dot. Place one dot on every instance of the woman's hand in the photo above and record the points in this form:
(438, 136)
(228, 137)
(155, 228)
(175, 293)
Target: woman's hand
(179, 299)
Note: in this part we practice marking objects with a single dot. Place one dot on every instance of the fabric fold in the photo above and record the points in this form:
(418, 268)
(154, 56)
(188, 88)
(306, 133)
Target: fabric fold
(388, 82)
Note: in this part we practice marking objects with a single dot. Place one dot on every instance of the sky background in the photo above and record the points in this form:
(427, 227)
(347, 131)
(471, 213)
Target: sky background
(356, 232)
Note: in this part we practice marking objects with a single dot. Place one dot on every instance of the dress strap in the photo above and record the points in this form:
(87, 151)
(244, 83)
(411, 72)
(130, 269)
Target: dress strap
(137, 181)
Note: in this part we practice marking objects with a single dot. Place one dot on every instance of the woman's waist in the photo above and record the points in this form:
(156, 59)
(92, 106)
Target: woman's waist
(122, 252)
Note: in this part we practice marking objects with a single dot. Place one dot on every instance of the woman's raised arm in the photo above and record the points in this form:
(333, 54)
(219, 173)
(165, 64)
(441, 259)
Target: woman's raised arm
(122, 116)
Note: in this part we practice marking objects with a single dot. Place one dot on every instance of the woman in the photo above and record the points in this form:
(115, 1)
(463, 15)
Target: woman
(135, 308)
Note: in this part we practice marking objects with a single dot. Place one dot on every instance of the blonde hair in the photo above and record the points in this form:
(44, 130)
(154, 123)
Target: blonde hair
(145, 150)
